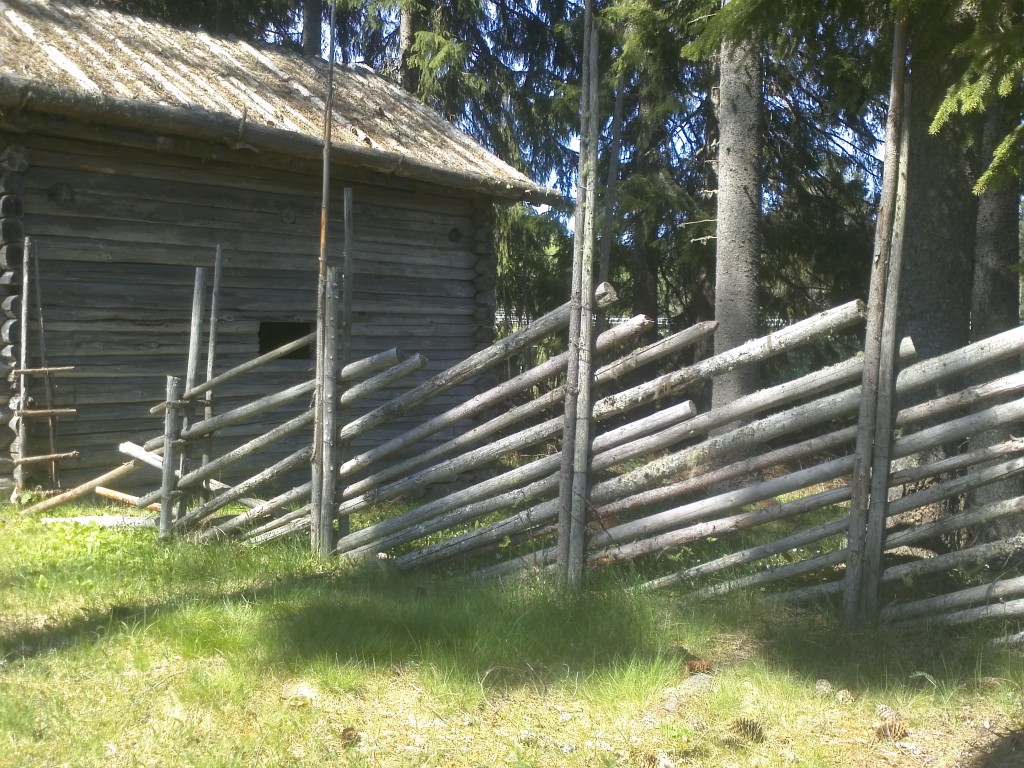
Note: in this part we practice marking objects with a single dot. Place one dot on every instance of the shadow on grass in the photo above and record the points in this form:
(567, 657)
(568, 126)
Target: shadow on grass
(501, 635)
(1006, 752)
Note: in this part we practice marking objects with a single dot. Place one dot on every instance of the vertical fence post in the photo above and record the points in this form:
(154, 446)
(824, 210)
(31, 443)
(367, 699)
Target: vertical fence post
(574, 484)
(195, 337)
(172, 431)
(323, 523)
(345, 337)
(318, 505)
(885, 416)
(854, 606)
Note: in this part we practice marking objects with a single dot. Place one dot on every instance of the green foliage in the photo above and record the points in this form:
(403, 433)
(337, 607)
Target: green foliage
(994, 70)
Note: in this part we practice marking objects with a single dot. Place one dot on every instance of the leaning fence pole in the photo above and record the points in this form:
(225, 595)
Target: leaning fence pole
(576, 435)
(171, 432)
(211, 347)
(195, 337)
(853, 597)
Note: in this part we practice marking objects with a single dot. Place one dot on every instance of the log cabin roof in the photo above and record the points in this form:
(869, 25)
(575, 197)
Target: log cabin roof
(73, 60)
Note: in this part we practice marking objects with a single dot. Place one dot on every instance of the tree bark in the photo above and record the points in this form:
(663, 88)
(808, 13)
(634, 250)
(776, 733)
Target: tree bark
(312, 27)
(994, 300)
(739, 213)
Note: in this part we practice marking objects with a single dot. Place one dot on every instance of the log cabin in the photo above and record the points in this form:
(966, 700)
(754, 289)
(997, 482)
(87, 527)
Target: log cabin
(130, 150)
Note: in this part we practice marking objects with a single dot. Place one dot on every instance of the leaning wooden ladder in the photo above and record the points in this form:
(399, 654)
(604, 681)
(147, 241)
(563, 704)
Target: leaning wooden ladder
(23, 411)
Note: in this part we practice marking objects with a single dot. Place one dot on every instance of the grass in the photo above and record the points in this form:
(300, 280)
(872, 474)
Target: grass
(118, 650)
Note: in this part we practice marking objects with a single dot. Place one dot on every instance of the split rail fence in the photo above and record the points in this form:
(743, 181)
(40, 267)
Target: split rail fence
(664, 477)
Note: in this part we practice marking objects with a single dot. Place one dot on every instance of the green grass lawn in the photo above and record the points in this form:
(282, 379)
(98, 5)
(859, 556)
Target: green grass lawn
(119, 650)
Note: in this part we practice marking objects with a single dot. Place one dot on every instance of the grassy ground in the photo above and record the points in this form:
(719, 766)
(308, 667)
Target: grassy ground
(117, 650)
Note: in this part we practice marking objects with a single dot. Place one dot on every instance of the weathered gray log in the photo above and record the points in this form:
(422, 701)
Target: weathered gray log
(966, 519)
(237, 522)
(875, 385)
(348, 273)
(216, 466)
(286, 524)
(466, 512)
(46, 457)
(475, 405)
(123, 498)
(575, 470)
(886, 403)
(227, 497)
(986, 593)
(12, 205)
(835, 527)
(508, 481)
(484, 359)
(905, 446)
(1015, 639)
(79, 491)
(756, 350)
(639, 537)
(20, 473)
(172, 430)
(247, 411)
(292, 523)
(520, 413)
(211, 345)
(14, 158)
(977, 554)
(238, 370)
(138, 452)
(905, 504)
(12, 183)
(322, 525)
(1009, 610)
(716, 448)
(105, 521)
(195, 338)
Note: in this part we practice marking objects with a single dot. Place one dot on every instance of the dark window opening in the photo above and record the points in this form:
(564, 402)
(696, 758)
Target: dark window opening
(274, 335)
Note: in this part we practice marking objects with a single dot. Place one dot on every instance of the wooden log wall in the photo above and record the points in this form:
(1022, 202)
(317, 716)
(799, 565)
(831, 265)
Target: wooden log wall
(14, 160)
(120, 222)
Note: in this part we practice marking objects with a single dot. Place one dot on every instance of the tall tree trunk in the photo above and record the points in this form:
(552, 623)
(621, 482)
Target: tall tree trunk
(995, 295)
(410, 22)
(938, 236)
(312, 27)
(938, 242)
(739, 213)
(224, 17)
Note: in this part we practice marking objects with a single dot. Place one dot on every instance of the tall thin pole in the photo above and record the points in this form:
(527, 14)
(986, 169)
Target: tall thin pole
(854, 606)
(576, 434)
(319, 505)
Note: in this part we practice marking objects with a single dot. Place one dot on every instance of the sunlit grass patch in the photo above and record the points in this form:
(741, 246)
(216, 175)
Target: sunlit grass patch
(120, 650)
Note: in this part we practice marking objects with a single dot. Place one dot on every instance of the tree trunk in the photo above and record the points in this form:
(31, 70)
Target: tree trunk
(935, 295)
(410, 22)
(224, 17)
(739, 213)
(994, 302)
(312, 27)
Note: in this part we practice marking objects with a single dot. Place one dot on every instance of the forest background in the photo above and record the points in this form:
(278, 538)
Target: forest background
(801, 85)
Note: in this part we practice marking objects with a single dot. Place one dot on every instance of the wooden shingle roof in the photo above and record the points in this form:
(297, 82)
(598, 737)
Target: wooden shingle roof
(73, 60)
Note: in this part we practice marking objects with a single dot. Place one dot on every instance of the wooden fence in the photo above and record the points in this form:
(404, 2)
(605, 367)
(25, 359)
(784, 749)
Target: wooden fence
(665, 476)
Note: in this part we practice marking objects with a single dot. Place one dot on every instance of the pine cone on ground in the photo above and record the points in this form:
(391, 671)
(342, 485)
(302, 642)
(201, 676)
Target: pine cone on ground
(748, 728)
(891, 730)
